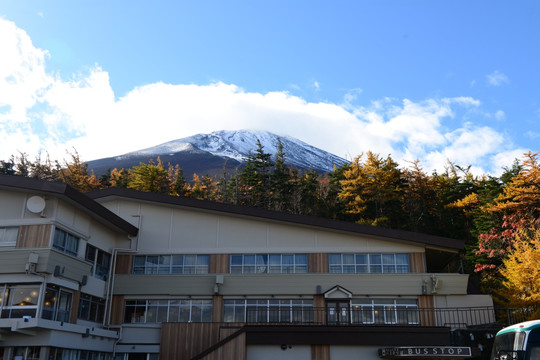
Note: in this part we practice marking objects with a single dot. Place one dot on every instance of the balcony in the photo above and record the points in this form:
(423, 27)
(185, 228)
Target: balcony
(453, 318)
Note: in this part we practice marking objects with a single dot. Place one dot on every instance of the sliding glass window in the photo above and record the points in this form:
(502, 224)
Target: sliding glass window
(368, 263)
(170, 264)
(268, 263)
(268, 310)
(175, 310)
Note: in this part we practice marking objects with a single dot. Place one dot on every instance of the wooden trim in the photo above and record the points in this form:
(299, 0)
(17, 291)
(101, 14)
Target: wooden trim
(123, 264)
(75, 301)
(418, 262)
(426, 305)
(219, 264)
(319, 303)
(318, 263)
(34, 236)
(320, 352)
(117, 310)
(217, 308)
(188, 340)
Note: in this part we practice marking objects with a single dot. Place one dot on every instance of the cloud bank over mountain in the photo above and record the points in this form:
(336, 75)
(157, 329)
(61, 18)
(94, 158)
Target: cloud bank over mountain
(40, 111)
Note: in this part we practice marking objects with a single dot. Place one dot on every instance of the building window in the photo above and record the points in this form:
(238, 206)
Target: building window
(268, 311)
(17, 301)
(170, 264)
(8, 235)
(26, 353)
(101, 261)
(66, 242)
(268, 263)
(368, 263)
(65, 354)
(91, 308)
(384, 311)
(56, 304)
(136, 356)
(178, 310)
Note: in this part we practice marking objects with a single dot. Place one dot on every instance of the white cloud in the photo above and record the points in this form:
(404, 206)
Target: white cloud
(51, 114)
(497, 78)
(22, 73)
(500, 115)
(504, 159)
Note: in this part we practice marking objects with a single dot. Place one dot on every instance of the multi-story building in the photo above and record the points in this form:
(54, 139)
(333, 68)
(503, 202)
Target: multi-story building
(131, 275)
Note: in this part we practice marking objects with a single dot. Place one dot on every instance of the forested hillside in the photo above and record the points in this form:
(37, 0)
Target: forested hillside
(497, 216)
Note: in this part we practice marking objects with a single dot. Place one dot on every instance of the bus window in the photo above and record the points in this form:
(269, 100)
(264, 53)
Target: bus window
(508, 346)
(533, 345)
(534, 353)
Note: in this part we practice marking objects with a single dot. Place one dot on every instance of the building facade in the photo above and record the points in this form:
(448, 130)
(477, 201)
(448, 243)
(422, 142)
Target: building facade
(130, 275)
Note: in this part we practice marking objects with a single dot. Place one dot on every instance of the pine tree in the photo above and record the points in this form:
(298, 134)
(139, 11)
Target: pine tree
(522, 195)
(179, 185)
(281, 182)
(330, 204)
(372, 190)
(7, 167)
(75, 173)
(254, 179)
(43, 169)
(203, 188)
(419, 200)
(149, 177)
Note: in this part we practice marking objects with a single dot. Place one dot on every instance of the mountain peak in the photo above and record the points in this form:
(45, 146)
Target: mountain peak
(224, 149)
(237, 145)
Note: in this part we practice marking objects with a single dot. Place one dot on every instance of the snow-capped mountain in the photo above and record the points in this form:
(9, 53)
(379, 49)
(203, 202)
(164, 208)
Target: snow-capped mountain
(214, 152)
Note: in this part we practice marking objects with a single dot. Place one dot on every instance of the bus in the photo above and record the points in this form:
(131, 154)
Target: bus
(518, 342)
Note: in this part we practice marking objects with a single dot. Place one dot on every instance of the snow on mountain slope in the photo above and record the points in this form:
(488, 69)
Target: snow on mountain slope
(238, 144)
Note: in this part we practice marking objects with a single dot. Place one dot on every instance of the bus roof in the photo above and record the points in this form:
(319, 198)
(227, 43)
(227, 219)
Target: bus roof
(524, 326)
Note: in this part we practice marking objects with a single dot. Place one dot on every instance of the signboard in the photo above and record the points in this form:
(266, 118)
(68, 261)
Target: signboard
(425, 351)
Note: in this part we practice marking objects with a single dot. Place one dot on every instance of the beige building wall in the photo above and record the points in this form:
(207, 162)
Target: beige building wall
(167, 229)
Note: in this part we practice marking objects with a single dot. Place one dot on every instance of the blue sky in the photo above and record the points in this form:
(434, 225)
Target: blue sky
(428, 80)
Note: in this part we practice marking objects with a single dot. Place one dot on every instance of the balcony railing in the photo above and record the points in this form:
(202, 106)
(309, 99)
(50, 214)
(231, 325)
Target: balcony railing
(454, 318)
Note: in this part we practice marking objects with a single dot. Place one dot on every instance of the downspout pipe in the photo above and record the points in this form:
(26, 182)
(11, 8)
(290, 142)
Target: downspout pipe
(112, 272)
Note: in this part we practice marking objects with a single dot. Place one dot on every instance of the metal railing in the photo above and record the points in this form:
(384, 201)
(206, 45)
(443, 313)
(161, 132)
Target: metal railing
(455, 318)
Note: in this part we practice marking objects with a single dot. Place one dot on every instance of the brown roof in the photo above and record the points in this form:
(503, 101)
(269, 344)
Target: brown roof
(349, 227)
(70, 195)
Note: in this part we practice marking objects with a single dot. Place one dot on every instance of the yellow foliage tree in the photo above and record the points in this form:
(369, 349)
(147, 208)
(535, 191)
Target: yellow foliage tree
(371, 190)
(521, 269)
(522, 195)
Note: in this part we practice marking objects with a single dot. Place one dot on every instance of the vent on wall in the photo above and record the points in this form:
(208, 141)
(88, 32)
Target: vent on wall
(35, 204)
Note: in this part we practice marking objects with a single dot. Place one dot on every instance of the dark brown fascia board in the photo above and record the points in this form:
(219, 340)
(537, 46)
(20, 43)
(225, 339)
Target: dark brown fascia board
(430, 241)
(70, 195)
(378, 335)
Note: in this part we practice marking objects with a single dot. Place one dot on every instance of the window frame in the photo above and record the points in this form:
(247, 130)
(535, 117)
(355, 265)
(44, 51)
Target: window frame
(369, 263)
(8, 294)
(176, 264)
(268, 263)
(162, 307)
(268, 310)
(93, 310)
(385, 311)
(4, 235)
(55, 311)
(99, 269)
(69, 242)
